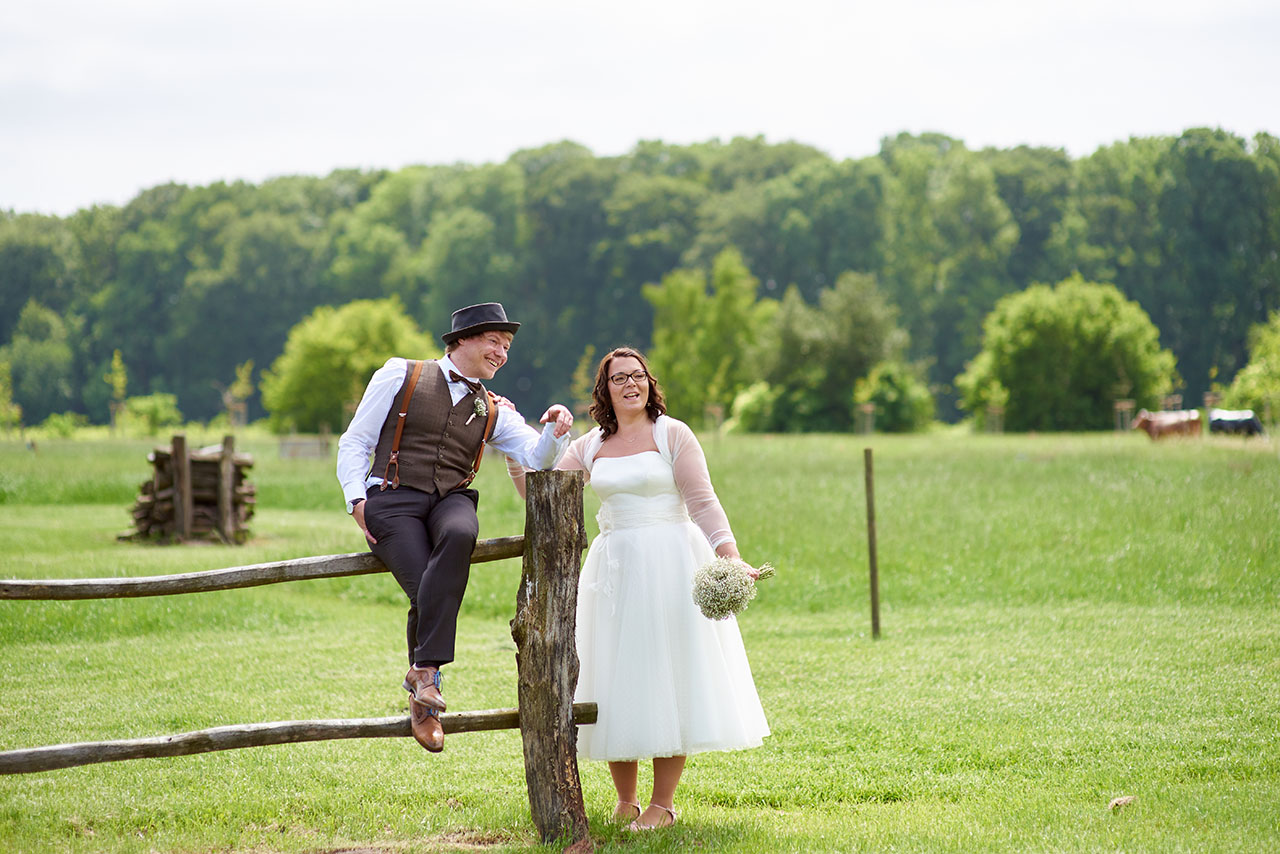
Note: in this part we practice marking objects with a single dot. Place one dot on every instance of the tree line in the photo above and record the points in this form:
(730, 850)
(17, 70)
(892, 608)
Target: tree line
(190, 284)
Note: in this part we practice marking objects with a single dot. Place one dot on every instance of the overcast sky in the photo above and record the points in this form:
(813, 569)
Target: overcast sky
(100, 99)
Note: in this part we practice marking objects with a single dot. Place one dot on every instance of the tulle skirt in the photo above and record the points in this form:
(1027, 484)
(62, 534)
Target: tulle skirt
(667, 681)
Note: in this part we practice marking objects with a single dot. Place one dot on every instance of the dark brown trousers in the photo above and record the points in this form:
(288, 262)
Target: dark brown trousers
(426, 541)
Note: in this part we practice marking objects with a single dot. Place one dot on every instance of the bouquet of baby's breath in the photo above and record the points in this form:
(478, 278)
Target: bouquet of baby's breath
(723, 588)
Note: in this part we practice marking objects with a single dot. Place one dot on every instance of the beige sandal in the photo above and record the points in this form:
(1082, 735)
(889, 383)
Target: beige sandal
(636, 825)
(623, 811)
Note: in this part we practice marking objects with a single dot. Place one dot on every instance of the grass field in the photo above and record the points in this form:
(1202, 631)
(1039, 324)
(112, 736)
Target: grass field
(1067, 619)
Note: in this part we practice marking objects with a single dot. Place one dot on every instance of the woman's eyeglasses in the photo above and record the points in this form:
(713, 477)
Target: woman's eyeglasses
(621, 379)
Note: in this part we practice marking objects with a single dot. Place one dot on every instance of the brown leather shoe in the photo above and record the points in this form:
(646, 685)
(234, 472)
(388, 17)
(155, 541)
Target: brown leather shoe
(424, 685)
(425, 723)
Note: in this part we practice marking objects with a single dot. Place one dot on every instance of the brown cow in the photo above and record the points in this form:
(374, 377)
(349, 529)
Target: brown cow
(1180, 422)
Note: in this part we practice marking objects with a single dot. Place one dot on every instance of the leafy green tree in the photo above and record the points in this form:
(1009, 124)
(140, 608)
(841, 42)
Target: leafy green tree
(134, 310)
(655, 157)
(913, 245)
(845, 206)
(242, 386)
(979, 235)
(1035, 185)
(36, 263)
(900, 394)
(802, 228)
(752, 160)
(153, 412)
(460, 258)
(566, 190)
(40, 359)
(1115, 231)
(652, 221)
(118, 379)
(821, 351)
(584, 382)
(330, 356)
(704, 337)
(1064, 354)
(950, 240)
(811, 357)
(1216, 214)
(269, 275)
(370, 258)
(1111, 229)
(235, 396)
(10, 412)
(1257, 385)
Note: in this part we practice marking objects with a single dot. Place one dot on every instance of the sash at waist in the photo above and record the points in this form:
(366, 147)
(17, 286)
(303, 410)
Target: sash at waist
(610, 519)
(613, 519)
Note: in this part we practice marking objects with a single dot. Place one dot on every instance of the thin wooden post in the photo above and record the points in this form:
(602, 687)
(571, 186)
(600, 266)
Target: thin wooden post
(183, 503)
(1124, 414)
(871, 543)
(547, 656)
(866, 421)
(228, 519)
(1211, 401)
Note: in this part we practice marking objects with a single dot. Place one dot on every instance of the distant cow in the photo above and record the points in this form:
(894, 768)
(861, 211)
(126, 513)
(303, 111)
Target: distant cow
(1179, 422)
(1240, 422)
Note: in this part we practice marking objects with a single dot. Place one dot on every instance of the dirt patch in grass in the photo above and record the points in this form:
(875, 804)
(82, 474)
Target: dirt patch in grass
(453, 840)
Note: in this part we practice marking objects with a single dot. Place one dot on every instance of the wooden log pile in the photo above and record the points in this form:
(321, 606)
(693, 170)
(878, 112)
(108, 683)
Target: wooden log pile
(201, 494)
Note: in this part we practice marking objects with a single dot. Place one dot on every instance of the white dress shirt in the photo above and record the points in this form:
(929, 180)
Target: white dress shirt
(511, 435)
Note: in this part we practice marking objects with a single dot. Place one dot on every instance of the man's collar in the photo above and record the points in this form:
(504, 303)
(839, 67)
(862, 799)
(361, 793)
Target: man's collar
(447, 365)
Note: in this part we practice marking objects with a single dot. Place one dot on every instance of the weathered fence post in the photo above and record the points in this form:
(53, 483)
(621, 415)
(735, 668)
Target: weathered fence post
(871, 543)
(183, 502)
(546, 654)
(1124, 414)
(866, 420)
(227, 521)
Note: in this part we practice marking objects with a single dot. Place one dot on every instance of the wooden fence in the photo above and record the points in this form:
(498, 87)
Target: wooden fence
(546, 659)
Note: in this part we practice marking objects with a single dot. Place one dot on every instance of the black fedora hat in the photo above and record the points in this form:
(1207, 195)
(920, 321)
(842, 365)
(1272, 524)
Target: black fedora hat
(475, 319)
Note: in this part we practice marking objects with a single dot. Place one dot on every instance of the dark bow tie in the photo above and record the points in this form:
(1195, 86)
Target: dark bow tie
(456, 377)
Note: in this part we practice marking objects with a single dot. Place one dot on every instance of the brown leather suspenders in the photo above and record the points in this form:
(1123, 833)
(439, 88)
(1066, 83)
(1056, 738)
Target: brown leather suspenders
(394, 459)
(488, 431)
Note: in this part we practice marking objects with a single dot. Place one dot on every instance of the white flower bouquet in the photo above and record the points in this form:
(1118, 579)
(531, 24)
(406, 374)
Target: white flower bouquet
(723, 587)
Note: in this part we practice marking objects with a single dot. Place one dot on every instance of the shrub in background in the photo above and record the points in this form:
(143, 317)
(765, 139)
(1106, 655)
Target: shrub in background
(62, 425)
(1064, 355)
(900, 394)
(330, 356)
(1257, 385)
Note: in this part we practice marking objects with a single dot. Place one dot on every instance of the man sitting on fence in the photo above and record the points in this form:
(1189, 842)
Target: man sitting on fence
(426, 425)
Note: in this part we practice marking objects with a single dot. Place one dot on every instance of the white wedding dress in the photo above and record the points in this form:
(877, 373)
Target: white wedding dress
(667, 681)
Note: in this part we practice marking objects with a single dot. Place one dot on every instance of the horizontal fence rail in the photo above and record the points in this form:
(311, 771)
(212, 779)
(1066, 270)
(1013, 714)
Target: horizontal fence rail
(301, 569)
(255, 735)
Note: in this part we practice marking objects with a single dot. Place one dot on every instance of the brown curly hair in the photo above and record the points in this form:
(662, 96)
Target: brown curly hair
(601, 404)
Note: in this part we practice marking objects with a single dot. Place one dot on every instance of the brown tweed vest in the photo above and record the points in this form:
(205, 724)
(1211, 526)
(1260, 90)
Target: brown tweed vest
(440, 440)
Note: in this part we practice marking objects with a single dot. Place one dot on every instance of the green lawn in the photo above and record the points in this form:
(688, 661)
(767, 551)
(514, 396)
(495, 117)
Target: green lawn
(1066, 618)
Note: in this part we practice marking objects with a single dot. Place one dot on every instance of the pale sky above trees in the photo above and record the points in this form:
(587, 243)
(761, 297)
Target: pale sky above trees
(99, 100)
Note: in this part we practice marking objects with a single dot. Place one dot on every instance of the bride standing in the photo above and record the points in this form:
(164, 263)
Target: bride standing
(668, 682)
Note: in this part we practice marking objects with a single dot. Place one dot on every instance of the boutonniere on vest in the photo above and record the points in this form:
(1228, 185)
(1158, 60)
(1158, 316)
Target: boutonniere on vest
(479, 409)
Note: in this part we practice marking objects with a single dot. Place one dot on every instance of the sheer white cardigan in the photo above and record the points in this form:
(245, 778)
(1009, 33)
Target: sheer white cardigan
(679, 447)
